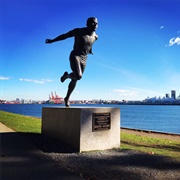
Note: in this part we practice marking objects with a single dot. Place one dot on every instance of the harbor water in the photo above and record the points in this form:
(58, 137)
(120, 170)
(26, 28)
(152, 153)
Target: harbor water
(145, 117)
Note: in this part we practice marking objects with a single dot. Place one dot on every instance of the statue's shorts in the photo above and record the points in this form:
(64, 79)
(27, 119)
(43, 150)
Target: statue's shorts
(77, 63)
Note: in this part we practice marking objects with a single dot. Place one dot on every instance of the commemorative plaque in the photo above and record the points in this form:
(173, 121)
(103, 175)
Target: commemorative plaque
(101, 121)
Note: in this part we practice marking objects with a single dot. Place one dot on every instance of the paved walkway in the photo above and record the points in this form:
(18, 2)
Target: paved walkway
(20, 159)
(5, 129)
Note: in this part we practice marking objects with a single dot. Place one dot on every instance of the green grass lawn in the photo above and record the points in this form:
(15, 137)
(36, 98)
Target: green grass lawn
(20, 123)
(151, 145)
(145, 144)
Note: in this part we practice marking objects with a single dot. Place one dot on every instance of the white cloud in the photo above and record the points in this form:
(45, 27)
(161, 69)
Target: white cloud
(36, 81)
(174, 40)
(4, 78)
(125, 92)
(47, 80)
(76, 92)
(133, 93)
(161, 27)
(146, 92)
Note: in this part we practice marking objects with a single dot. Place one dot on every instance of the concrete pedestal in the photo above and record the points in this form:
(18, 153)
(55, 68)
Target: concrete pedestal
(75, 127)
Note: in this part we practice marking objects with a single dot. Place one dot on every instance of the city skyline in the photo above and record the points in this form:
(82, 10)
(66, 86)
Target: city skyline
(172, 96)
(136, 55)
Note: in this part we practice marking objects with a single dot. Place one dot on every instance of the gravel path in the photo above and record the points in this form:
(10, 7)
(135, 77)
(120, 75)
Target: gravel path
(113, 164)
(117, 164)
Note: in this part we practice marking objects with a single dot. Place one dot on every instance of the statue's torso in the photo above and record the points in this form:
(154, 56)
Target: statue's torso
(83, 42)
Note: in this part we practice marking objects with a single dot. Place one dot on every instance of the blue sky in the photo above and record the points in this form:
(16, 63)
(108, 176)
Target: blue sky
(137, 54)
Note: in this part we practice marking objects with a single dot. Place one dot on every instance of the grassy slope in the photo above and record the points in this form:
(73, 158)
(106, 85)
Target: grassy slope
(149, 145)
(21, 123)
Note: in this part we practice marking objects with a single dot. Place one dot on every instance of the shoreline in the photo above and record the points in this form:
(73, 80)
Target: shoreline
(155, 134)
(150, 131)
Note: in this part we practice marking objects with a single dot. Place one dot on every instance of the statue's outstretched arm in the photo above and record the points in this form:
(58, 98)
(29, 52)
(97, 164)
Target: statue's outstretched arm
(62, 37)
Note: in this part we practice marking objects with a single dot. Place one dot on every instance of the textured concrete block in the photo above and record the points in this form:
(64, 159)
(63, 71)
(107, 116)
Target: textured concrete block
(74, 126)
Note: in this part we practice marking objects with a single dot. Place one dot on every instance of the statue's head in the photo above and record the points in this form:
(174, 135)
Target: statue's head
(92, 23)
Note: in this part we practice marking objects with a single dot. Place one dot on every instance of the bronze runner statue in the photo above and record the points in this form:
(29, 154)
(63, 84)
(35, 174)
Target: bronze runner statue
(83, 41)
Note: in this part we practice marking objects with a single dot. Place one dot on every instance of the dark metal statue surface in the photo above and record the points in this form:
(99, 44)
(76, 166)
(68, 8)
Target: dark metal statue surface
(83, 41)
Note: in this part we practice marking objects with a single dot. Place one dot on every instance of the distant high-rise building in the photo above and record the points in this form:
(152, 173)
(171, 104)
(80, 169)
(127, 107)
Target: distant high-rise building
(173, 94)
(17, 100)
(167, 95)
